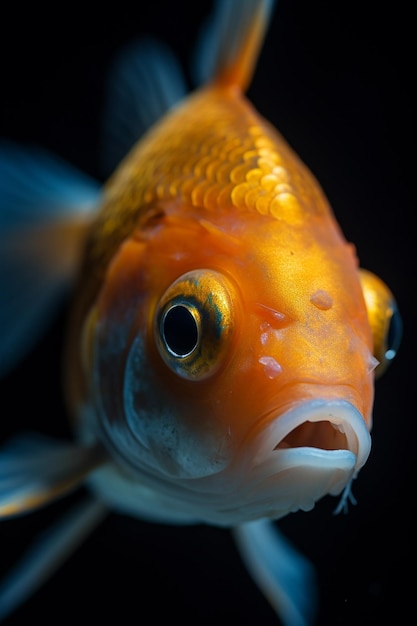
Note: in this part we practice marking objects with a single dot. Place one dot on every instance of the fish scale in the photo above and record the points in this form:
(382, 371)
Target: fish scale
(254, 172)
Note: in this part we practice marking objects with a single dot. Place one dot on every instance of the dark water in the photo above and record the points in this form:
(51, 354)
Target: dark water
(337, 82)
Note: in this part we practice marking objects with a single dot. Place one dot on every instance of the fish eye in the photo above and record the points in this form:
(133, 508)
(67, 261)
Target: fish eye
(384, 318)
(194, 324)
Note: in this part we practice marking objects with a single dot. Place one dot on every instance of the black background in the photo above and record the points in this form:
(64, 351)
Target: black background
(336, 79)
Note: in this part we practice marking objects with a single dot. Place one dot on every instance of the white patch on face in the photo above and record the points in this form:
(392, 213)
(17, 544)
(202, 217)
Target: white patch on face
(322, 300)
(271, 366)
(264, 338)
(265, 334)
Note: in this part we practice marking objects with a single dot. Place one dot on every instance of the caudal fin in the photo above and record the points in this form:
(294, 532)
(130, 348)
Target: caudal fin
(45, 209)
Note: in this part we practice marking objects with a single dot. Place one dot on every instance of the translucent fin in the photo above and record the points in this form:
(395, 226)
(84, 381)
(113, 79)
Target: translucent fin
(48, 554)
(229, 45)
(35, 470)
(144, 83)
(45, 208)
(285, 577)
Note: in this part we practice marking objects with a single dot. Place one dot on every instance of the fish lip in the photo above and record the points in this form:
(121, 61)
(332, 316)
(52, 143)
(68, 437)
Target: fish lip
(342, 415)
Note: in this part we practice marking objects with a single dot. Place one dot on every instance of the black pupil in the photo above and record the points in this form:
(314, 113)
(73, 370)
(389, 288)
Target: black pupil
(180, 331)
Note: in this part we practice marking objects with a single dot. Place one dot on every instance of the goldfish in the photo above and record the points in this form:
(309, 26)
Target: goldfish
(223, 340)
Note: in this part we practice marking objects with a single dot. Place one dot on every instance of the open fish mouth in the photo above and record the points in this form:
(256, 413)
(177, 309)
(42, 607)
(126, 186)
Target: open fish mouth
(325, 426)
(310, 451)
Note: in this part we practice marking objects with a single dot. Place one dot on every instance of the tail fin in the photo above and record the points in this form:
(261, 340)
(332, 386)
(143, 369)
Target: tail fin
(229, 46)
(45, 207)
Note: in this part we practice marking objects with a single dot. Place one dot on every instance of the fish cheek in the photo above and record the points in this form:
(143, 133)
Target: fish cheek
(147, 422)
(174, 431)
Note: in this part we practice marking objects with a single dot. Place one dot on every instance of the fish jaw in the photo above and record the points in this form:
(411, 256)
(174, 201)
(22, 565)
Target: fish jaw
(313, 449)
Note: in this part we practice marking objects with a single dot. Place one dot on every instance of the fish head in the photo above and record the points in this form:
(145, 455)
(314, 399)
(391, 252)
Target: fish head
(232, 362)
(230, 349)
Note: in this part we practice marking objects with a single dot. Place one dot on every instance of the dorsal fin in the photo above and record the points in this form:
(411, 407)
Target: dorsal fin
(229, 45)
(145, 81)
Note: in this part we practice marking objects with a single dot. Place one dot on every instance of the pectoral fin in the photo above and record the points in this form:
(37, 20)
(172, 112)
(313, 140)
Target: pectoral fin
(46, 206)
(283, 575)
(35, 470)
(48, 554)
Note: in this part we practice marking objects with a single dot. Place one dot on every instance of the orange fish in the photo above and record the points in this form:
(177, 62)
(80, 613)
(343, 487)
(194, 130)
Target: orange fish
(222, 343)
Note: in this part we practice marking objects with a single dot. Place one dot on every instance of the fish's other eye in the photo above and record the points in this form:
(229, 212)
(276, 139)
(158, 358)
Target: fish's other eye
(194, 324)
(384, 318)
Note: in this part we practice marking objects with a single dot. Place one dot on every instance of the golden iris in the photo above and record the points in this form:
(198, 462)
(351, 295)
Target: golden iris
(194, 323)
